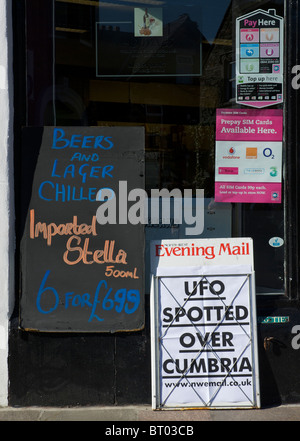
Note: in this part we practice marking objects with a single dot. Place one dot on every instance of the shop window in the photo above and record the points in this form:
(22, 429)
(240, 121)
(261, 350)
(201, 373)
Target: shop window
(166, 65)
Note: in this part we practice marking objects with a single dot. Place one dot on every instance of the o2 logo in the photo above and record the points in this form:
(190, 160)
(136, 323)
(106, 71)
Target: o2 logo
(268, 153)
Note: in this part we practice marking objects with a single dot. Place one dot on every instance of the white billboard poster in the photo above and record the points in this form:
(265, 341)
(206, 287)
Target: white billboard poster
(203, 324)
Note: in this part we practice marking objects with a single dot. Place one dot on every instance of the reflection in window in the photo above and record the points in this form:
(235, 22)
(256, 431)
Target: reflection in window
(163, 64)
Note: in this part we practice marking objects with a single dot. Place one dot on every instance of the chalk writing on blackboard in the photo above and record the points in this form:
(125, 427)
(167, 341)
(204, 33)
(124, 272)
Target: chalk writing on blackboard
(121, 300)
(81, 276)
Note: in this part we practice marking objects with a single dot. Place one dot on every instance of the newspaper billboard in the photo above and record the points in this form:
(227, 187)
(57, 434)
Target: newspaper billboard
(203, 324)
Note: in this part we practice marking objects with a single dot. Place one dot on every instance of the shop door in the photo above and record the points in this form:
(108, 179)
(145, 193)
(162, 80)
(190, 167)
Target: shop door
(167, 66)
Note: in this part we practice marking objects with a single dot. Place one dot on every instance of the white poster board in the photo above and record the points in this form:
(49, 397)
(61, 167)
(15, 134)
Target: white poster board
(259, 59)
(203, 324)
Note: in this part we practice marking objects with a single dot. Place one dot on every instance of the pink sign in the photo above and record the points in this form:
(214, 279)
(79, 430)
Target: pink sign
(248, 155)
(249, 124)
(228, 171)
(248, 192)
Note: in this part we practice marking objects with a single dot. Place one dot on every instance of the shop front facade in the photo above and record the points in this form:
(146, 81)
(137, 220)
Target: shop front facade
(119, 97)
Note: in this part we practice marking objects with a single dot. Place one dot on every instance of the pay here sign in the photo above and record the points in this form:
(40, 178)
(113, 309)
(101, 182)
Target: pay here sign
(203, 325)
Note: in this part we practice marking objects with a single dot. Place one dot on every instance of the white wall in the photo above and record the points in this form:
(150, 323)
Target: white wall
(6, 191)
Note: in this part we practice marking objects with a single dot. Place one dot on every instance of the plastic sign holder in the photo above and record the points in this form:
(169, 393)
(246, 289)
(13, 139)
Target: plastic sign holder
(203, 325)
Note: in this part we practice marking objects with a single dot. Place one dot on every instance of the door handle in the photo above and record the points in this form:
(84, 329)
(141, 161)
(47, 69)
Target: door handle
(267, 342)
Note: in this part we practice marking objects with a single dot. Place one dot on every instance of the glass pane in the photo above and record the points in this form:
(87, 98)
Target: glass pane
(166, 65)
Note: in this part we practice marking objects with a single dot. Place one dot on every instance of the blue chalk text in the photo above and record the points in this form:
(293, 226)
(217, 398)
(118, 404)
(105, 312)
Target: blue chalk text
(104, 299)
(60, 141)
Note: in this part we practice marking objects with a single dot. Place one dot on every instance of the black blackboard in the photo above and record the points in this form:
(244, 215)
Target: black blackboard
(78, 275)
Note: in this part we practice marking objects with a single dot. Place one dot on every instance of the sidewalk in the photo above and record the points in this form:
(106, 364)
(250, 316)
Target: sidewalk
(145, 413)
